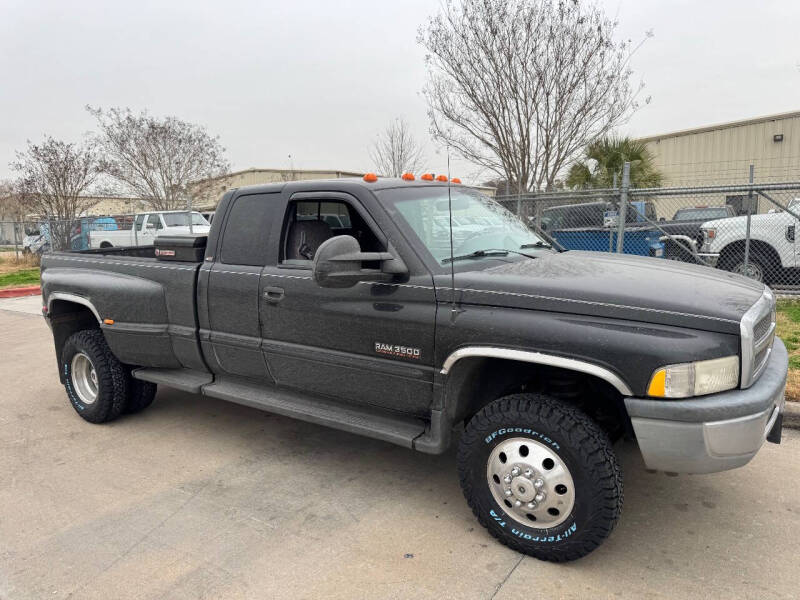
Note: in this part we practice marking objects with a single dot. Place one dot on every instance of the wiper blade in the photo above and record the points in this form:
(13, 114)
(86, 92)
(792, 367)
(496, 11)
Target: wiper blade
(539, 244)
(477, 254)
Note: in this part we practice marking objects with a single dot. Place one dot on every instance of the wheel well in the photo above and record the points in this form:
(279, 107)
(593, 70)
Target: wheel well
(757, 247)
(67, 318)
(475, 382)
(106, 245)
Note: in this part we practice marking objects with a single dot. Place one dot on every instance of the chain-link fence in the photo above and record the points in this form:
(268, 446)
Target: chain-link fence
(40, 235)
(747, 228)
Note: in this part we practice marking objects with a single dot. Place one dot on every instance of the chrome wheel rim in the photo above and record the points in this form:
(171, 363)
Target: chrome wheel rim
(84, 378)
(530, 483)
(753, 271)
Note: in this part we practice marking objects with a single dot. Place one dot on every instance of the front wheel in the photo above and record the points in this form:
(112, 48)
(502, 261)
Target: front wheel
(541, 476)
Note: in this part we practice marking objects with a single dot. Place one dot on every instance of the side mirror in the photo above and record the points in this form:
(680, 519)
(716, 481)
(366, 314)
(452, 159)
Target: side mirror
(338, 264)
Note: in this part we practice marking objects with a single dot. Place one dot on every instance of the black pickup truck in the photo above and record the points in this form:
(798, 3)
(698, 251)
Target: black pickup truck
(535, 360)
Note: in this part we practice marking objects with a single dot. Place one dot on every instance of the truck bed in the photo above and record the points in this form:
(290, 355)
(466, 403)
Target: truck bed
(146, 306)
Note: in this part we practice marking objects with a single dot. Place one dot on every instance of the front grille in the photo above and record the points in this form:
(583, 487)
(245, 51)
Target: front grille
(762, 328)
(757, 334)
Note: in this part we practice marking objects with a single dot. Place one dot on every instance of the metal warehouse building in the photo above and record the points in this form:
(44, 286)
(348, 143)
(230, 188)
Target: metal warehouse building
(212, 189)
(722, 154)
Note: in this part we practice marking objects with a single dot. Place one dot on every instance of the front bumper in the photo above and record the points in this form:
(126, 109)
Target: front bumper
(709, 258)
(715, 432)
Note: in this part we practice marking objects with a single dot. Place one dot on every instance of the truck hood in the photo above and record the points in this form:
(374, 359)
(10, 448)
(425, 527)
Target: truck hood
(633, 288)
(184, 229)
(741, 222)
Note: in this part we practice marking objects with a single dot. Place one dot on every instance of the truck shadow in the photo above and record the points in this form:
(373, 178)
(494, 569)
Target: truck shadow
(666, 518)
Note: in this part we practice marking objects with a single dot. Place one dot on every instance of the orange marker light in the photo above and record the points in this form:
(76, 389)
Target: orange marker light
(441, 178)
(427, 177)
(408, 176)
(370, 178)
(455, 180)
(108, 321)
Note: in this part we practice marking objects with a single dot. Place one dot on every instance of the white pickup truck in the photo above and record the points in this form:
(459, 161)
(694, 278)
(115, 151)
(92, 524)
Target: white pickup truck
(773, 244)
(147, 227)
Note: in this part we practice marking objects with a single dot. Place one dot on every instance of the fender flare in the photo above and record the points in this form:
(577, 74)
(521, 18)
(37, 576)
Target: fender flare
(67, 297)
(538, 358)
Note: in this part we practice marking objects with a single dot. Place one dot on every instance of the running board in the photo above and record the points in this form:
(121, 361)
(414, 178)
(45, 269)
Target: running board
(366, 421)
(187, 380)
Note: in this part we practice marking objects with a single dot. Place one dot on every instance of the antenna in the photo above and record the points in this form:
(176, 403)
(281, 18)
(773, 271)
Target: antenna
(453, 309)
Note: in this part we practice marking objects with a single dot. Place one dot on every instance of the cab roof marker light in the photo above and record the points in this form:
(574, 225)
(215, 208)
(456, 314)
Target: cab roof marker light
(408, 176)
(427, 177)
(370, 178)
(441, 178)
(455, 180)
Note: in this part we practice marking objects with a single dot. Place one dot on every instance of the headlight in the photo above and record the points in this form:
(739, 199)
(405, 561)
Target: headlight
(695, 379)
(710, 233)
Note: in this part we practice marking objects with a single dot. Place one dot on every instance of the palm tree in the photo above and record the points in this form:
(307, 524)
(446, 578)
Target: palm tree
(605, 157)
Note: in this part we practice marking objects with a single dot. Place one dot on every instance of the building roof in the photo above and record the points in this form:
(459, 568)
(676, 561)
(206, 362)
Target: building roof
(728, 125)
(269, 170)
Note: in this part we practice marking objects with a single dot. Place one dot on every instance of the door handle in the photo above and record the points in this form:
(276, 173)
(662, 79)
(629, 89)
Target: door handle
(273, 294)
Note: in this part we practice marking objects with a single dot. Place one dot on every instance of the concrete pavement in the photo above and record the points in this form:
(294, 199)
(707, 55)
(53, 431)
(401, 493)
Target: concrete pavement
(196, 498)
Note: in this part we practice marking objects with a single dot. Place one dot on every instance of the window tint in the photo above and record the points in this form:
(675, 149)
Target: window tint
(244, 241)
(139, 221)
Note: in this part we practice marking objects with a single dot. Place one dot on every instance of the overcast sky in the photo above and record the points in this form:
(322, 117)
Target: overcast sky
(317, 80)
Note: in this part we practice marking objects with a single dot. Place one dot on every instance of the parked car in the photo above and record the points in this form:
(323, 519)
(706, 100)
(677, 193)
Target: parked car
(540, 358)
(593, 226)
(147, 227)
(682, 236)
(773, 244)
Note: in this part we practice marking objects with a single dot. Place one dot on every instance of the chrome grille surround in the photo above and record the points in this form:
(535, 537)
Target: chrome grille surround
(757, 333)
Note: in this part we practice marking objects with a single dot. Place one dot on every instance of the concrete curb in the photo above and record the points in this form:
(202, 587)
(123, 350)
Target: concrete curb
(28, 290)
(791, 415)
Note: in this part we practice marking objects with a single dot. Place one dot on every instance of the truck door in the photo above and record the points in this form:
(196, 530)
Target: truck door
(368, 344)
(232, 290)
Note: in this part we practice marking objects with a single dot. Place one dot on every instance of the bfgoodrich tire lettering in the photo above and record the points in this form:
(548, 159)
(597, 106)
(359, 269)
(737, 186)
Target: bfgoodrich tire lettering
(109, 375)
(583, 449)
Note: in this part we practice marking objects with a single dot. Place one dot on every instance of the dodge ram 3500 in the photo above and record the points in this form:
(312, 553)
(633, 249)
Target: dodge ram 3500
(537, 359)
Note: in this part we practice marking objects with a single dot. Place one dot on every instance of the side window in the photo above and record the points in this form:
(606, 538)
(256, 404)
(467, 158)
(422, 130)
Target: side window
(154, 221)
(310, 223)
(137, 224)
(244, 241)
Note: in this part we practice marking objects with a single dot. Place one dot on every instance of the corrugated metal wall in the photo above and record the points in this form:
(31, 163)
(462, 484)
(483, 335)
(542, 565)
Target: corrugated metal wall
(723, 154)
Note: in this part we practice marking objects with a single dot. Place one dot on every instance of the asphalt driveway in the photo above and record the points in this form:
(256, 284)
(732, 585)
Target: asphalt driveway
(196, 498)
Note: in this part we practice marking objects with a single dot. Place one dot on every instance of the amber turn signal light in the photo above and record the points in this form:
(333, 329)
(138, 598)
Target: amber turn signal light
(455, 180)
(370, 178)
(427, 177)
(408, 176)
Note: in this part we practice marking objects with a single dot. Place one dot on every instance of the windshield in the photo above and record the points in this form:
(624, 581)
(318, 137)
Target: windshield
(182, 219)
(479, 223)
(701, 214)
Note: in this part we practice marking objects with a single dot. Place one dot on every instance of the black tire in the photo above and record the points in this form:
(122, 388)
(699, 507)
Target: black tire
(584, 449)
(111, 379)
(758, 269)
(140, 395)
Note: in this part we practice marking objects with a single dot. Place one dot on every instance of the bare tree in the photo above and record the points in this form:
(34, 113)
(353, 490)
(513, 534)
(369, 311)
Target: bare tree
(157, 159)
(396, 151)
(54, 178)
(11, 207)
(522, 86)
